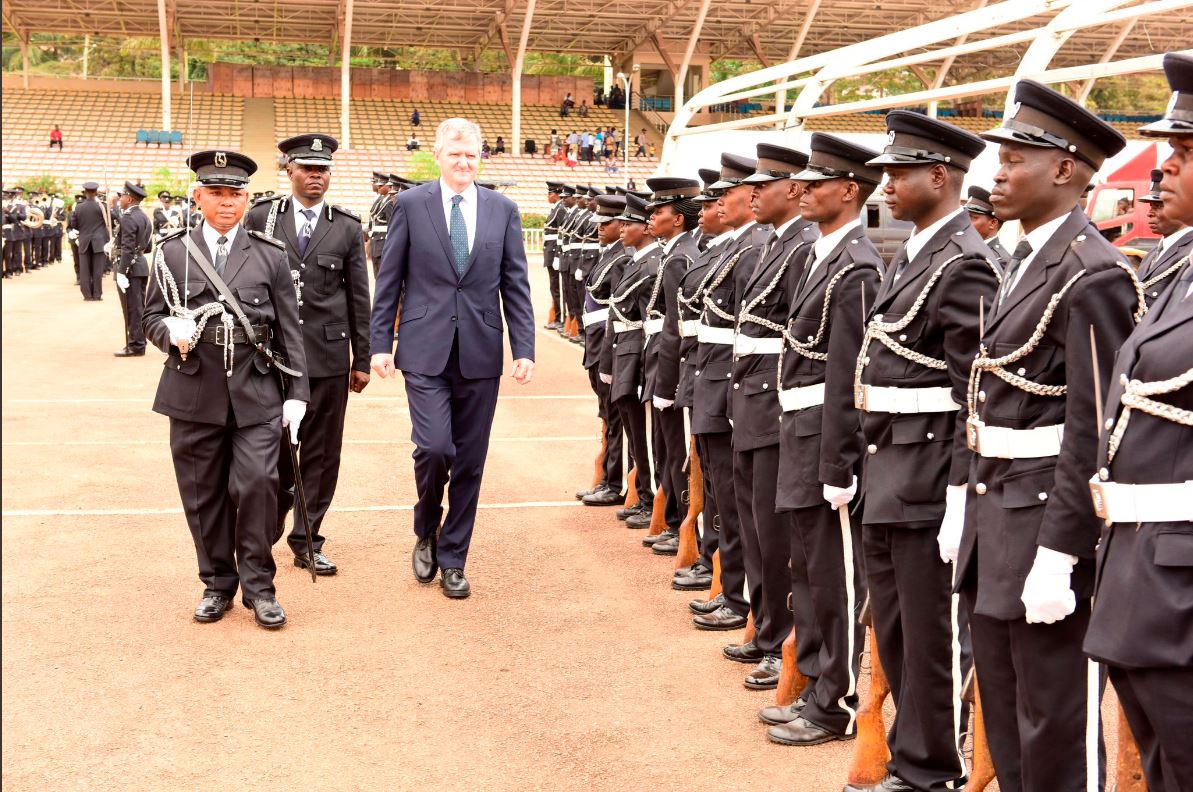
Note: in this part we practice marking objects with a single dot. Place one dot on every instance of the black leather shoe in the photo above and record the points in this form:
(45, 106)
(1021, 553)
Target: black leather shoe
(212, 608)
(743, 653)
(694, 578)
(803, 732)
(584, 493)
(706, 606)
(892, 783)
(267, 612)
(323, 564)
(720, 619)
(650, 541)
(126, 352)
(776, 716)
(640, 520)
(426, 559)
(629, 511)
(766, 675)
(606, 496)
(454, 584)
(667, 547)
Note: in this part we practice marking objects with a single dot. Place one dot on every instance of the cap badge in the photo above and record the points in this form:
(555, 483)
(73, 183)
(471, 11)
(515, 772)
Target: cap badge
(317, 145)
(890, 138)
(1015, 109)
(221, 159)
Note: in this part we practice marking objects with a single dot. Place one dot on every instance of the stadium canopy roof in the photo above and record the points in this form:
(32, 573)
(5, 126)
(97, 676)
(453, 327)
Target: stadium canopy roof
(772, 31)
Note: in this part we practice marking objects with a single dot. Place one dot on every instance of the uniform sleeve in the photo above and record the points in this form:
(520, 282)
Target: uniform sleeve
(515, 290)
(127, 242)
(667, 372)
(254, 221)
(358, 299)
(156, 311)
(287, 336)
(391, 276)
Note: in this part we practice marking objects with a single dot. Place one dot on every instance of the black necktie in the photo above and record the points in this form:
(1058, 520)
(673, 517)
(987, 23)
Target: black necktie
(1022, 251)
(807, 273)
(221, 255)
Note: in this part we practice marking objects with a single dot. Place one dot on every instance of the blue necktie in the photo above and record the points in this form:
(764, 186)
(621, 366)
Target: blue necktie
(304, 233)
(459, 236)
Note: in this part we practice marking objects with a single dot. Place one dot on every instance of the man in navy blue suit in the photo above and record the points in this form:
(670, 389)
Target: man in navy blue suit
(450, 252)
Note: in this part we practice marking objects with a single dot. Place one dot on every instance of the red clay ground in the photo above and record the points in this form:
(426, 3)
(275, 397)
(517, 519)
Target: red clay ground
(573, 665)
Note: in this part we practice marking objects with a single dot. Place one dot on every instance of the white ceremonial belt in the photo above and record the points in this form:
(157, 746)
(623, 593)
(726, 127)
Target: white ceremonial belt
(1003, 443)
(625, 327)
(880, 398)
(591, 246)
(689, 328)
(749, 345)
(1138, 503)
(715, 335)
(550, 237)
(793, 399)
(379, 227)
(652, 327)
(593, 317)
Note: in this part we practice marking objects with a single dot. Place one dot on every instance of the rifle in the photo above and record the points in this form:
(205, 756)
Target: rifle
(689, 549)
(631, 485)
(791, 681)
(598, 473)
(300, 500)
(715, 591)
(982, 771)
(658, 517)
(871, 753)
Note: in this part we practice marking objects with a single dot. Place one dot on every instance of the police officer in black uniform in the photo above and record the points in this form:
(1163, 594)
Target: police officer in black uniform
(221, 393)
(162, 215)
(551, 250)
(981, 214)
(132, 271)
(92, 220)
(378, 221)
(1159, 267)
(325, 253)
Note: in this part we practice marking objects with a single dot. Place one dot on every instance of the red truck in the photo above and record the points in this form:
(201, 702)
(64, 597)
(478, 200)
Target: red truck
(1116, 210)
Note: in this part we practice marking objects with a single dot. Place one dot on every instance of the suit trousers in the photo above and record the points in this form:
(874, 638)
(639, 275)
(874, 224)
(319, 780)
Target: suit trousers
(1158, 703)
(766, 544)
(914, 614)
(611, 462)
(451, 418)
(92, 264)
(132, 304)
(633, 420)
(670, 450)
(322, 439)
(227, 478)
(716, 455)
(1041, 700)
(832, 596)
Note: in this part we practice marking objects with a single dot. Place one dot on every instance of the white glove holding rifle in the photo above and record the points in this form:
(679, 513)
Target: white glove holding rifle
(293, 412)
(121, 281)
(948, 538)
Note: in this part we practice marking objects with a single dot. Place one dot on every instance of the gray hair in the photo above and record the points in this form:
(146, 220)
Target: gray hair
(454, 129)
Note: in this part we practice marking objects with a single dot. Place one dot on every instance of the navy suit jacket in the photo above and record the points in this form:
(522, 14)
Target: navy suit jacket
(418, 268)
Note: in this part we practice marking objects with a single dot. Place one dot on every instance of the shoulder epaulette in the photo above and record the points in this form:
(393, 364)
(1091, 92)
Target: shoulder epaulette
(265, 237)
(265, 199)
(174, 234)
(346, 211)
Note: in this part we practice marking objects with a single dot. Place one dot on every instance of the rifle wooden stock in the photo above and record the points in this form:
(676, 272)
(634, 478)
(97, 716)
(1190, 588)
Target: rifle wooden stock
(551, 314)
(631, 485)
(871, 753)
(1128, 775)
(791, 681)
(982, 772)
(751, 631)
(658, 518)
(689, 549)
(598, 473)
(715, 591)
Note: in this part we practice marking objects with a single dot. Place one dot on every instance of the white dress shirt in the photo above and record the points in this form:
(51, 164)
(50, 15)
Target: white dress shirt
(467, 208)
(300, 221)
(641, 254)
(737, 232)
(211, 237)
(823, 246)
(672, 242)
(1167, 242)
(1037, 239)
(918, 239)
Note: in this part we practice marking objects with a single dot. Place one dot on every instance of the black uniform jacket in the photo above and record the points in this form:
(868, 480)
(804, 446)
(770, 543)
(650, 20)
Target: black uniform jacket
(1001, 257)
(199, 389)
(334, 307)
(91, 222)
(714, 361)
(1014, 505)
(379, 214)
(134, 241)
(665, 347)
(598, 287)
(1159, 272)
(823, 444)
(912, 456)
(690, 298)
(1143, 611)
(551, 231)
(622, 353)
(754, 385)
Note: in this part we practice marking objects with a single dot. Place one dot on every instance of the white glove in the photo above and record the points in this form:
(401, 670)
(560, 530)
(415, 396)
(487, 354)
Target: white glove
(109, 248)
(579, 275)
(293, 411)
(555, 265)
(838, 497)
(72, 234)
(948, 538)
(606, 378)
(660, 403)
(121, 281)
(181, 328)
(1047, 592)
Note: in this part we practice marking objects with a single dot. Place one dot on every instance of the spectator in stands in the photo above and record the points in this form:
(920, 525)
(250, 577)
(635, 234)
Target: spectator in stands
(631, 185)
(56, 137)
(566, 105)
(616, 141)
(282, 161)
(598, 97)
(486, 151)
(653, 150)
(415, 118)
(553, 144)
(499, 146)
(641, 140)
(611, 168)
(586, 147)
(610, 142)
(598, 144)
(412, 144)
(573, 145)
(583, 111)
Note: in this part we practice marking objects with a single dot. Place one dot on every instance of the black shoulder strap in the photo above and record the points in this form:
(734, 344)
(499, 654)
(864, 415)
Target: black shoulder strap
(230, 299)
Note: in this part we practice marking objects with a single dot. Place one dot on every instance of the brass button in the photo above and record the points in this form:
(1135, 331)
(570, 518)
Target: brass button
(1104, 474)
(1021, 371)
(1109, 423)
(342, 335)
(980, 489)
(683, 360)
(736, 385)
(902, 336)
(221, 298)
(300, 321)
(1043, 496)
(866, 360)
(304, 266)
(871, 449)
(982, 396)
(811, 338)
(931, 435)
(765, 385)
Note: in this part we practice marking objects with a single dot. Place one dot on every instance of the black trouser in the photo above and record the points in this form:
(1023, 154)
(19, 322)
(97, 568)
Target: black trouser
(574, 290)
(74, 254)
(227, 478)
(633, 419)
(830, 554)
(716, 454)
(10, 256)
(710, 529)
(92, 264)
(56, 248)
(322, 437)
(671, 450)
(132, 304)
(1042, 724)
(766, 543)
(612, 462)
(1158, 703)
(914, 627)
(549, 260)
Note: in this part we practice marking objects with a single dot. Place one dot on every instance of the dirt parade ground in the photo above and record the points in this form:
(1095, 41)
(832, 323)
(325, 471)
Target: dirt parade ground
(574, 665)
